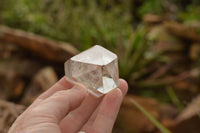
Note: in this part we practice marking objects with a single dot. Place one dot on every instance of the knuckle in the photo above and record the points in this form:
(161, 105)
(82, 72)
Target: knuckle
(59, 94)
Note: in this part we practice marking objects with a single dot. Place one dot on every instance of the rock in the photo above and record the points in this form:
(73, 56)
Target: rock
(193, 25)
(152, 19)
(8, 113)
(164, 41)
(14, 72)
(188, 121)
(182, 31)
(42, 81)
(7, 50)
(168, 111)
(168, 114)
(40, 46)
(130, 119)
(194, 51)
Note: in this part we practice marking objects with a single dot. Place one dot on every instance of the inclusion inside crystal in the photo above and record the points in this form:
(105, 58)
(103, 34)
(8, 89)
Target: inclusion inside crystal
(97, 68)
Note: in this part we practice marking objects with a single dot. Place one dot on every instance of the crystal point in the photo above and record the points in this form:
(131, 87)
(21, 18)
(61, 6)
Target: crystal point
(96, 68)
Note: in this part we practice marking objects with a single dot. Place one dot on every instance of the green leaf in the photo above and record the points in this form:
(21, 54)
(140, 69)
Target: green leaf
(150, 117)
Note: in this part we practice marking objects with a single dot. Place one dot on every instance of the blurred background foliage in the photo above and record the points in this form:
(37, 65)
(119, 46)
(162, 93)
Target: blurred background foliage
(115, 24)
(157, 43)
(82, 23)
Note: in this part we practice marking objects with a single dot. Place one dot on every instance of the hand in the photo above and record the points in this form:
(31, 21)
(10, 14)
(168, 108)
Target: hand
(67, 108)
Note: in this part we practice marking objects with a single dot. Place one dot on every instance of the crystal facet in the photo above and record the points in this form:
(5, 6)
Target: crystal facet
(96, 68)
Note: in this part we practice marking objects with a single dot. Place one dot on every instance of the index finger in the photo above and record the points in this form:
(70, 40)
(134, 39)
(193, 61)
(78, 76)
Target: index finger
(62, 84)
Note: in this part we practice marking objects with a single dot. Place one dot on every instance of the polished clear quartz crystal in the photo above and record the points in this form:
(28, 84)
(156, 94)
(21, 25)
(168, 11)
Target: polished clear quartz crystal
(96, 68)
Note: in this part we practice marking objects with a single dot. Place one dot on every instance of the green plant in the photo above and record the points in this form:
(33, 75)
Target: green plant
(136, 55)
(87, 23)
(151, 6)
(132, 52)
(150, 117)
(175, 100)
(83, 23)
(192, 13)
